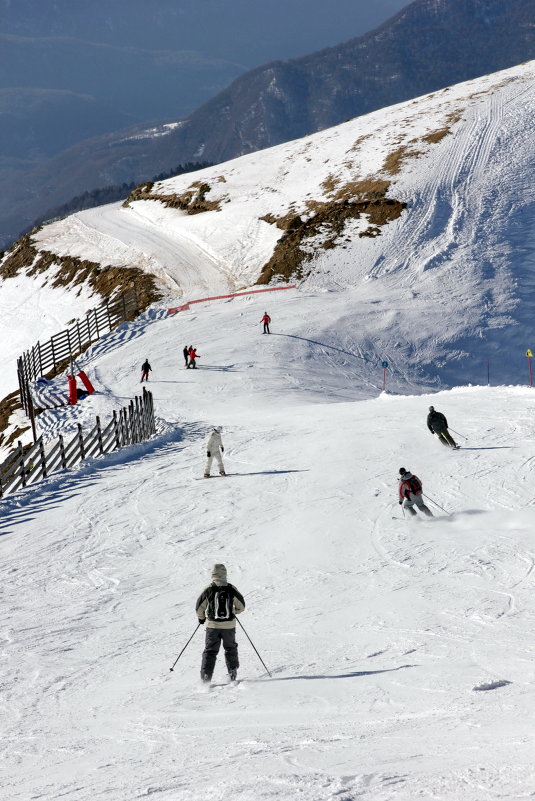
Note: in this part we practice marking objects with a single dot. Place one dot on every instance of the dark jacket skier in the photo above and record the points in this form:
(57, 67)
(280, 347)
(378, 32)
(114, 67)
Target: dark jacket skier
(410, 493)
(186, 354)
(217, 606)
(437, 424)
(145, 368)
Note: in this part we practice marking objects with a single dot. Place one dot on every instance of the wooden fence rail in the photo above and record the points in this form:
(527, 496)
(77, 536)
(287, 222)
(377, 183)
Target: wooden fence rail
(134, 423)
(45, 357)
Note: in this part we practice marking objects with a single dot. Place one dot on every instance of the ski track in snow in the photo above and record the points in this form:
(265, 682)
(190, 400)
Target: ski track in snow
(376, 629)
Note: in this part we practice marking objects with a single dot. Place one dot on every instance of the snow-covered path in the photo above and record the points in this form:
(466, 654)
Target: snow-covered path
(376, 629)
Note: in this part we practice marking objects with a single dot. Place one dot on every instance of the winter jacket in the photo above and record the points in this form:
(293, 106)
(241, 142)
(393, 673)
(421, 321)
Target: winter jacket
(214, 442)
(405, 488)
(436, 422)
(193, 354)
(205, 602)
(266, 319)
(145, 367)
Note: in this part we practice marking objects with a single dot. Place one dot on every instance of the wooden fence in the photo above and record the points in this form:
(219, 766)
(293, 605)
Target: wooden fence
(46, 357)
(134, 423)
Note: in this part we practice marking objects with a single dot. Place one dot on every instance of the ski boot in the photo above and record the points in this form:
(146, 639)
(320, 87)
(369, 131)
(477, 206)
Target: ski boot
(222, 473)
(233, 674)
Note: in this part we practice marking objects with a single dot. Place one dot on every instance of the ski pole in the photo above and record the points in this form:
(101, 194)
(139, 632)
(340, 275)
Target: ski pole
(459, 435)
(184, 648)
(436, 504)
(256, 652)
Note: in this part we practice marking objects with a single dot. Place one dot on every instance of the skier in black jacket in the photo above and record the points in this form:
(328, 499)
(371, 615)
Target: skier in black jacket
(437, 424)
(145, 369)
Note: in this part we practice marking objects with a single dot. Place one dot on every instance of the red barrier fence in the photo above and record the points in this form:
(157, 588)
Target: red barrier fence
(185, 306)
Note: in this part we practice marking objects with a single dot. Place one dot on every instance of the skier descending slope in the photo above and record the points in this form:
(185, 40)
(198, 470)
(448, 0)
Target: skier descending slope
(214, 449)
(217, 606)
(437, 424)
(145, 369)
(410, 493)
(266, 319)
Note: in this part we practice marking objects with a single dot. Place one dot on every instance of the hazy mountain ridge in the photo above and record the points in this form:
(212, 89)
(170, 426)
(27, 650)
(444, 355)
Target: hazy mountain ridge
(421, 49)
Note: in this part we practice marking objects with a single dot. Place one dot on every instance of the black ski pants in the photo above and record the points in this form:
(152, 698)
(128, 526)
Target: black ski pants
(266, 328)
(212, 644)
(446, 438)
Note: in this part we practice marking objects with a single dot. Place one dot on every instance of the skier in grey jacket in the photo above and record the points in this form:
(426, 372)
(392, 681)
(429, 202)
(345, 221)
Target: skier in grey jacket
(217, 606)
(214, 449)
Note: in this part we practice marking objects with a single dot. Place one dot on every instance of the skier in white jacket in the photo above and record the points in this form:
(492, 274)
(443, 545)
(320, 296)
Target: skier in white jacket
(214, 449)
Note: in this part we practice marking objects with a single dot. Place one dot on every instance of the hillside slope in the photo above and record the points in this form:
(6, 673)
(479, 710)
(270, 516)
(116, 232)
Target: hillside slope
(401, 652)
(415, 221)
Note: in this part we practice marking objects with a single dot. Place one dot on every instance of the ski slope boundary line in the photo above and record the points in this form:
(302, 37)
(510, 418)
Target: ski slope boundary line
(185, 306)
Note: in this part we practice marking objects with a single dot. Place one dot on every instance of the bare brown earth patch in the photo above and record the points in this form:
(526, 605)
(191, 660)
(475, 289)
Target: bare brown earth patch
(324, 223)
(71, 271)
(8, 405)
(192, 201)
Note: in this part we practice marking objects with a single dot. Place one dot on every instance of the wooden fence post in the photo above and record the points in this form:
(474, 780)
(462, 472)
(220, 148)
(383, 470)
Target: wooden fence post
(139, 421)
(22, 468)
(62, 452)
(116, 430)
(81, 442)
(43, 457)
(99, 435)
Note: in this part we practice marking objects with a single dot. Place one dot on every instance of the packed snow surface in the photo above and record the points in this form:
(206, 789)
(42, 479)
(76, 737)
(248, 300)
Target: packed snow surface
(401, 651)
(443, 288)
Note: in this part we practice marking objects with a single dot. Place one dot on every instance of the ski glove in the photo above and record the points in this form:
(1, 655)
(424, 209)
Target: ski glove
(208, 454)
(400, 503)
(201, 622)
(222, 449)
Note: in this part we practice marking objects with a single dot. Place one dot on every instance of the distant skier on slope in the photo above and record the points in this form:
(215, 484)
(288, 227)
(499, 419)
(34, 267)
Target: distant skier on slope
(193, 356)
(217, 606)
(214, 449)
(410, 493)
(186, 353)
(437, 424)
(266, 319)
(145, 369)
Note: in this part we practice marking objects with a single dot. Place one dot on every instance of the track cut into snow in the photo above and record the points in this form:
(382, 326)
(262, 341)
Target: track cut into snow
(443, 288)
(377, 630)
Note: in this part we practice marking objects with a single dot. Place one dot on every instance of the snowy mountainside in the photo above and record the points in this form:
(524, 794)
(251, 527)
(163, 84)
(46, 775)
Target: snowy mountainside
(420, 213)
(401, 651)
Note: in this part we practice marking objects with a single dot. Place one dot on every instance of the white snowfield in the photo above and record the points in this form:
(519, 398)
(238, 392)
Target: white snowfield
(401, 651)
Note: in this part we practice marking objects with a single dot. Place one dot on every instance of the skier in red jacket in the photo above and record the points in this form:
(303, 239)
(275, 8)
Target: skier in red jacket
(410, 493)
(266, 319)
(193, 355)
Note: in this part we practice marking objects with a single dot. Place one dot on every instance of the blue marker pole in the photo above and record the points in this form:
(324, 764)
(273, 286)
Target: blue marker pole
(384, 365)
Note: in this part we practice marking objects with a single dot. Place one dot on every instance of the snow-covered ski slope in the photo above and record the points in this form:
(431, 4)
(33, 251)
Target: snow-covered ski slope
(443, 288)
(377, 630)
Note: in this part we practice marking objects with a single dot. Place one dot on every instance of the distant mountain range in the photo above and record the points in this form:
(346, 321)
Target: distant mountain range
(429, 45)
